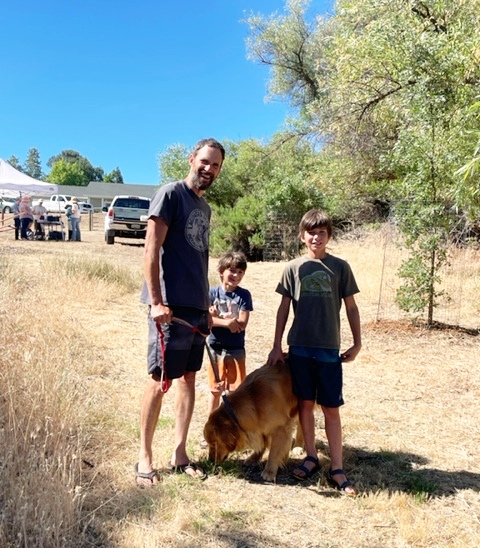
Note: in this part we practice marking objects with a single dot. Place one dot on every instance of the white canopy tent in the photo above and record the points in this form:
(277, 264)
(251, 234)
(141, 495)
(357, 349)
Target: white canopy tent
(14, 183)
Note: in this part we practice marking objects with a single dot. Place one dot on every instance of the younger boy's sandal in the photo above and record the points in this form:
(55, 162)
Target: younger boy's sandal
(341, 487)
(307, 473)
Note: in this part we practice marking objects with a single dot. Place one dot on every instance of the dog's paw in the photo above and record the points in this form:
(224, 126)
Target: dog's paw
(268, 475)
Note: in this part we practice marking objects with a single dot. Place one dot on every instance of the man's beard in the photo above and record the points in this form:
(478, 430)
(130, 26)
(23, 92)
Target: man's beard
(201, 184)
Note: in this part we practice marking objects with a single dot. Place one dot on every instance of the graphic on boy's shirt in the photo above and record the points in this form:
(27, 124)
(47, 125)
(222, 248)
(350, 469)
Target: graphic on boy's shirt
(226, 308)
(318, 283)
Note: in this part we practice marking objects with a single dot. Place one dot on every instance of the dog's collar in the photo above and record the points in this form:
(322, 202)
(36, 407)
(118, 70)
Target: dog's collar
(230, 411)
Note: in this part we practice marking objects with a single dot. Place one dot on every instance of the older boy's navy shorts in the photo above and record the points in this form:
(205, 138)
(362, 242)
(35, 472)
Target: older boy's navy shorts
(183, 347)
(317, 375)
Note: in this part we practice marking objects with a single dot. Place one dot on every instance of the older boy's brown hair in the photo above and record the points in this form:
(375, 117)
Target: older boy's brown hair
(235, 259)
(315, 218)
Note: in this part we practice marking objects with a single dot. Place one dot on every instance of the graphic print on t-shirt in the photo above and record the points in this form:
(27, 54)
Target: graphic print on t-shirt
(316, 284)
(197, 230)
(226, 308)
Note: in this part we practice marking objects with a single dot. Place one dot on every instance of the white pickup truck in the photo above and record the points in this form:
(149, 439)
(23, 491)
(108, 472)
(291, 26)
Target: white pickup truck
(57, 202)
(126, 217)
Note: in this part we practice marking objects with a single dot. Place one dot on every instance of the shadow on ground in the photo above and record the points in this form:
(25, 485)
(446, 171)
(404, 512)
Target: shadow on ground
(372, 472)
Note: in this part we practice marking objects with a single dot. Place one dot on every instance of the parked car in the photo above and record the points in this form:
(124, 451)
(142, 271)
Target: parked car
(126, 217)
(85, 207)
(6, 204)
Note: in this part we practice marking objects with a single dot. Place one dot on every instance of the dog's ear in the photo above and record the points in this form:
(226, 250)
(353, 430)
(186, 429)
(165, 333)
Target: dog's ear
(227, 431)
(230, 438)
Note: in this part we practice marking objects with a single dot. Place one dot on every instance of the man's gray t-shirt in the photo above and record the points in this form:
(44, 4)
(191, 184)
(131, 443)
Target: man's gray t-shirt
(184, 254)
(316, 288)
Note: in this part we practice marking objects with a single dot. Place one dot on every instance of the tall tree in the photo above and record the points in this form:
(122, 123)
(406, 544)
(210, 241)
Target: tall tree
(15, 162)
(33, 165)
(114, 176)
(90, 173)
(67, 173)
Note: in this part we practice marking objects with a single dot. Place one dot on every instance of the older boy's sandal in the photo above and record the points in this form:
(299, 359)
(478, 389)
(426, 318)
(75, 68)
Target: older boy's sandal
(341, 487)
(307, 473)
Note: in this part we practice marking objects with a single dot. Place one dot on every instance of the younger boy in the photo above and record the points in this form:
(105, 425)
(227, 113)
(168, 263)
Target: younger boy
(230, 310)
(316, 284)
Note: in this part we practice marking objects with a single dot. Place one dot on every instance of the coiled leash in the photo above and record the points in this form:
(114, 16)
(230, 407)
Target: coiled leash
(213, 363)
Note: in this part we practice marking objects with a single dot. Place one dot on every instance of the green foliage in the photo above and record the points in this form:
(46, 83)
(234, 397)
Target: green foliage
(67, 173)
(386, 88)
(468, 192)
(15, 162)
(89, 173)
(240, 227)
(257, 179)
(114, 176)
(173, 163)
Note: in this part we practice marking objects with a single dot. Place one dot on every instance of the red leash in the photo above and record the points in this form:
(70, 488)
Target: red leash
(165, 383)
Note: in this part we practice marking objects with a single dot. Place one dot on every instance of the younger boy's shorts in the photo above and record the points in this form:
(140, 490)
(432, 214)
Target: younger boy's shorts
(182, 347)
(317, 375)
(230, 366)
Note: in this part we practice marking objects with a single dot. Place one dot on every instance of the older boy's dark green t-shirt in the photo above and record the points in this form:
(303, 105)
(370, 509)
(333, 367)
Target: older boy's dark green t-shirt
(317, 288)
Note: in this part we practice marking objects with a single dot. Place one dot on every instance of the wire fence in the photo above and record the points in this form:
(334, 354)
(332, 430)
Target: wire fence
(459, 303)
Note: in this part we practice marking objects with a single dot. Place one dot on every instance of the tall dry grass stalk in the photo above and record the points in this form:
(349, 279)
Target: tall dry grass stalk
(72, 373)
(46, 408)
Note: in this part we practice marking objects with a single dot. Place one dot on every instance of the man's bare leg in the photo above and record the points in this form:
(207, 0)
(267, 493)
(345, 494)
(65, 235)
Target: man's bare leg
(149, 414)
(184, 404)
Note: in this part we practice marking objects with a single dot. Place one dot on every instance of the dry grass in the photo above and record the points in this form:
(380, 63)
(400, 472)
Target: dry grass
(72, 372)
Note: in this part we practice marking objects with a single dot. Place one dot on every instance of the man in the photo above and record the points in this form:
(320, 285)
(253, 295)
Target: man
(176, 287)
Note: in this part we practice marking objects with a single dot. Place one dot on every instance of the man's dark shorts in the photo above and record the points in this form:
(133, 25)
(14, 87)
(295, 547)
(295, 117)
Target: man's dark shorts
(183, 347)
(317, 375)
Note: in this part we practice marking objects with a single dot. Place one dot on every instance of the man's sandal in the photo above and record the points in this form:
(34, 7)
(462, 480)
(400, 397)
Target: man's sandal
(191, 469)
(307, 473)
(341, 487)
(150, 476)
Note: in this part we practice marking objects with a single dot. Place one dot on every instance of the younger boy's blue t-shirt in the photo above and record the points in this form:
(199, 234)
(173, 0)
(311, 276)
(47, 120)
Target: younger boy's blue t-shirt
(228, 304)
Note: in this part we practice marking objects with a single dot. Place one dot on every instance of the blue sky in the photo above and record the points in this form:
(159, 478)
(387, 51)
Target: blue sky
(120, 81)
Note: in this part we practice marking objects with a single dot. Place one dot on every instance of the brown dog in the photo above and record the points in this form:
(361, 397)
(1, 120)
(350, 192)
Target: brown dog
(261, 414)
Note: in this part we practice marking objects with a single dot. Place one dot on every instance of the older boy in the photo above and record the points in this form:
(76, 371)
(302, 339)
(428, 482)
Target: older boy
(316, 284)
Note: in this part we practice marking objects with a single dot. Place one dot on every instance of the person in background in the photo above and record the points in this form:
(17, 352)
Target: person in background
(316, 284)
(75, 220)
(39, 211)
(16, 217)
(176, 287)
(68, 215)
(26, 217)
(230, 309)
